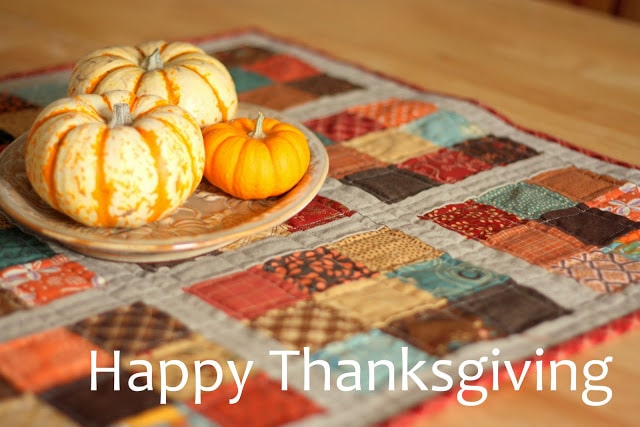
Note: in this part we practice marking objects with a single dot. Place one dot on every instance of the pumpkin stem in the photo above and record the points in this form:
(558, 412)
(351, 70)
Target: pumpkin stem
(121, 115)
(258, 131)
(153, 61)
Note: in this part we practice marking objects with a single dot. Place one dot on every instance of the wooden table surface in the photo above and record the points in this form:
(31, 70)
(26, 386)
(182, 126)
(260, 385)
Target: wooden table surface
(571, 73)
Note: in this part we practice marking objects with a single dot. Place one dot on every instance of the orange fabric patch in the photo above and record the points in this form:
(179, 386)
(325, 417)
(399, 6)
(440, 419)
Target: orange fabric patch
(576, 184)
(394, 112)
(40, 282)
(41, 361)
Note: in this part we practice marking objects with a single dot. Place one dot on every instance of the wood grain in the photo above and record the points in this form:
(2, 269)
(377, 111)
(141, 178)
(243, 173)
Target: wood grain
(571, 73)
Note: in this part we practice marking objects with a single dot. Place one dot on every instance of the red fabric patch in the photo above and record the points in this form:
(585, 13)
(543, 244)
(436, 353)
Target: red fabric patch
(263, 404)
(343, 126)
(282, 68)
(472, 219)
(40, 282)
(445, 166)
(394, 112)
(320, 210)
(244, 295)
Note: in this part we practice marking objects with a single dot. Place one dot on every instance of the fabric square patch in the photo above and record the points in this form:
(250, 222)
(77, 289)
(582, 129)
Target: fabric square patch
(577, 184)
(472, 219)
(537, 243)
(389, 184)
(623, 201)
(102, 407)
(444, 128)
(9, 302)
(627, 246)
(131, 329)
(440, 332)
(187, 351)
(316, 270)
(27, 410)
(307, 324)
(321, 210)
(511, 308)
(40, 282)
(17, 247)
(445, 166)
(345, 161)
(379, 300)
(282, 68)
(496, 150)
(323, 85)
(343, 126)
(590, 225)
(43, 360)
(391, 145)
(243, 55)
(602, 272)
(7, 391)
(244, 295)
(394, 112)
(385, 249)
(525, 200)
(371, 346)
(449, 278)
(18, 122)
(263, 404)
(276, 97)
(246, 80)
(10, 103)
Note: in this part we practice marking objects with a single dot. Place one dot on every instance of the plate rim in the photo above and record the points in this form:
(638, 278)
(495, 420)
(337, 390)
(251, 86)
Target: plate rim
(123, 249)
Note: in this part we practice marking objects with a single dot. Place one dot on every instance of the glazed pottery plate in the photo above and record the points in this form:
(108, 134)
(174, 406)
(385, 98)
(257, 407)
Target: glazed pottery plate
(208, 220)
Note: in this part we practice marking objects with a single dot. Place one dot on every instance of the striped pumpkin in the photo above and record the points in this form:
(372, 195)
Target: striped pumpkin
(114, 160)
(177, 71)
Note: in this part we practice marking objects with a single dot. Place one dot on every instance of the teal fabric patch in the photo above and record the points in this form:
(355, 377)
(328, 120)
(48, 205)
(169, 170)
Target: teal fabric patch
(17, 247)
(525, 200)
(374, 346)
(444, 128)
(449, 278)
(246, 80)
(325, 141)
(630, 250)
(42, 94)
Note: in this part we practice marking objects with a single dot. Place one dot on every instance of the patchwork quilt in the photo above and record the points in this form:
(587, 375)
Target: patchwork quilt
(443, 234)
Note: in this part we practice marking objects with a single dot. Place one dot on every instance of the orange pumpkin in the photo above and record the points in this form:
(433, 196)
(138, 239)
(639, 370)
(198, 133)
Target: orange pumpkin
(255, 159)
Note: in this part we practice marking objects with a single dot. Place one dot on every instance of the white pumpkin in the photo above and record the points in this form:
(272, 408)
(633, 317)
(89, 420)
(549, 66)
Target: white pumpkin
(114, 160)
(177, 71)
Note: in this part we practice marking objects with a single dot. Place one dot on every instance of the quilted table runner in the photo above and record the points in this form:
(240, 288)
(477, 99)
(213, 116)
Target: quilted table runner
(446, 248)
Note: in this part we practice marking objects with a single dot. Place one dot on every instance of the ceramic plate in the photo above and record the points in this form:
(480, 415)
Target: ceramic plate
(208, 220)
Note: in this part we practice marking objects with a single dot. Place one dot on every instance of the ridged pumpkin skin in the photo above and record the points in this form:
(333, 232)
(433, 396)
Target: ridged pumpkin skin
(255, 167)
(106, 175)
(181, 72)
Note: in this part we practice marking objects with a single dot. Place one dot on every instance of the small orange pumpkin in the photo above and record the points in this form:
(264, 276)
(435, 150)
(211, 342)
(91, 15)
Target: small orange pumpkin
(255, 159)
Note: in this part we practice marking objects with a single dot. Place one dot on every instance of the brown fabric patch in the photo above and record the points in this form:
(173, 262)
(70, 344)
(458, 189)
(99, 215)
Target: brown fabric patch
(495, 150)
(278, 96)
(577, 184)
(131, 329)
(344, 160)
(102, 407)
(440, 332)
(7, 391)
(378, 301)
(385, 249)
(307, 324)
(390, 184)
(590, 225)
(9, 302)
(243, 55)
(322, 85)
(510, 308)
(537, 243)
(10, 103)
(28, 410)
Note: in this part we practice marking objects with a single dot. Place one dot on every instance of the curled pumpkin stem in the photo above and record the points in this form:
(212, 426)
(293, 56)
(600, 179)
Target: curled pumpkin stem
(153, 61)
(258, 132)
(121, 115)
